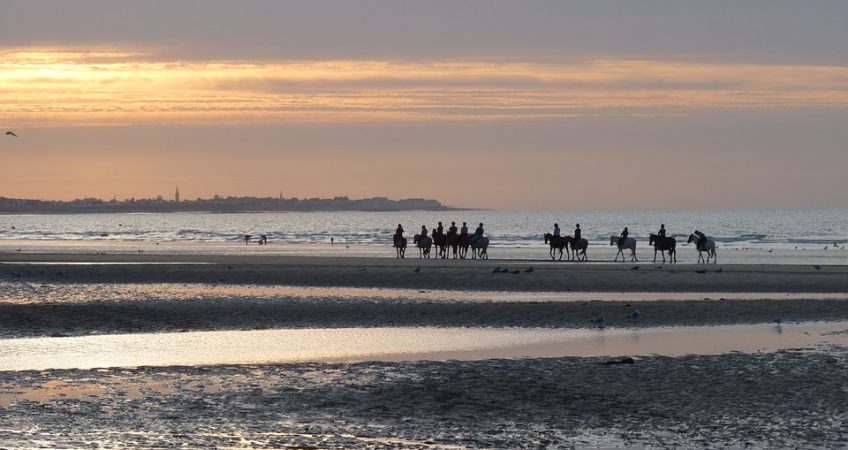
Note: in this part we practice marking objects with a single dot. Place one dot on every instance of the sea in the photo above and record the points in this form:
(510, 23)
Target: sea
(762, 233)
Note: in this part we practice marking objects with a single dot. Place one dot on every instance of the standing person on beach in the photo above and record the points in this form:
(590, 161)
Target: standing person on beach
(556, 230)
(661, 233)
(577, 233)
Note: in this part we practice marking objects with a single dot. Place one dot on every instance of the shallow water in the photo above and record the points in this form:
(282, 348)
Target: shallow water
(402, 344)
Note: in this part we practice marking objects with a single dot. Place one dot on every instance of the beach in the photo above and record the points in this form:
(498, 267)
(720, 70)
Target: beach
(778, 397)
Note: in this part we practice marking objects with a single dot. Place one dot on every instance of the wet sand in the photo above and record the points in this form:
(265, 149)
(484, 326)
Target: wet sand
(780, 399)
(423, 274)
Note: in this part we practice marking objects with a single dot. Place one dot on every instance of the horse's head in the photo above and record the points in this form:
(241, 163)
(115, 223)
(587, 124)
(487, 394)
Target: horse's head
(692, 237)
(651, 238)
(613, 240)
(548, 237)
(416, 238)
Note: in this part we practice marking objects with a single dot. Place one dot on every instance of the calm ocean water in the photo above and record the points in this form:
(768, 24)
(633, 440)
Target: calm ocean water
(515, 234)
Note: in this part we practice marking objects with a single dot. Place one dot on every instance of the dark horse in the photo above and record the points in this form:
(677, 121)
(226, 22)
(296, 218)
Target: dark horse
(557, 243)
(453, 242)
(400, 245)
(464, 243)
(441, 243)
(578, 248)
(424, 244)
(664, 244)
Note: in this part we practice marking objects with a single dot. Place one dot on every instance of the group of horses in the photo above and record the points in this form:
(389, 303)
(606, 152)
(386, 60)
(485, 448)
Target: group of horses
(575, 249)
(445, 243)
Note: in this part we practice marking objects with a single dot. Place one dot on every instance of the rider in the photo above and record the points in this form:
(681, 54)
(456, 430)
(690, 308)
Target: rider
(423, 231)
(702, 240)
(452, 229)
(623, 237)
(577, 233)
(661, 233)
(478, 233)
(464, 230)
(556, 230)
(439, 229)
(399, 231)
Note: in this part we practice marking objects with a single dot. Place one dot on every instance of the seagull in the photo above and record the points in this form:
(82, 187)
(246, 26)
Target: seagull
(600, 321)
(634, 314)
(11, 133)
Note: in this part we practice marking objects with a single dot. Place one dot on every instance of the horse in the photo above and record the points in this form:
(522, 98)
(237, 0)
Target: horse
(440, 241)
(664, 244)
(480, 246)
(709, 247)
(557, 243)
(629, 243)
(423, 243)
(400, 245)
(464, 243)
(452, 242)
(578, 248)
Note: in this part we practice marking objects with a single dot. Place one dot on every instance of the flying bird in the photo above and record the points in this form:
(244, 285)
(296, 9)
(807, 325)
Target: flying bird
(11, 133)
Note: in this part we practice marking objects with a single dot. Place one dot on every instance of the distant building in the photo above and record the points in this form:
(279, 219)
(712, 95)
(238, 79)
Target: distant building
(177, 195)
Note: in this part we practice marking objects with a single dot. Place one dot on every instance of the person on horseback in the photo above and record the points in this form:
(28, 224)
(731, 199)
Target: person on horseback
(464, 230)
(661, 233)
(478, 233)
(439, 229)
(702, 240)
(423, 232)
(577, 233)
(623, 237)
(399, 231)
(556, 230)
(452, 229)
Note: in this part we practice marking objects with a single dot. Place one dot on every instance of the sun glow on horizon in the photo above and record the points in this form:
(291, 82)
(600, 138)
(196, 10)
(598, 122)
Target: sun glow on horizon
(74, 87)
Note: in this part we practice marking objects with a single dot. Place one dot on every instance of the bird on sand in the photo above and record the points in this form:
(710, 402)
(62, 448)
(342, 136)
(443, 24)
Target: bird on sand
(11, 133)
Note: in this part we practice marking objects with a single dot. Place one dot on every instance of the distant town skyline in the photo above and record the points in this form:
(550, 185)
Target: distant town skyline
(491, 104)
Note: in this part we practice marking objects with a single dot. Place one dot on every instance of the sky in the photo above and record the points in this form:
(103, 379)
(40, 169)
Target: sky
(535, 105)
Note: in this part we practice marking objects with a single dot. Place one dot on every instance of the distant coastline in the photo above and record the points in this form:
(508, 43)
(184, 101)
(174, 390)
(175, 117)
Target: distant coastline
(218, 204)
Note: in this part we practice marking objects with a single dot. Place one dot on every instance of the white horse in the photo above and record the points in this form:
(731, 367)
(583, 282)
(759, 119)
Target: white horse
(709, 247)
(629, 243)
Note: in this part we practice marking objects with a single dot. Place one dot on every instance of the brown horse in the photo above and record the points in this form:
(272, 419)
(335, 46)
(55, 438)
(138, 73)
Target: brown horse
(400, 246)
(557, 243)
(667, 244)
(441, 243)
(453, 242)
(464, 243)
(578, 248)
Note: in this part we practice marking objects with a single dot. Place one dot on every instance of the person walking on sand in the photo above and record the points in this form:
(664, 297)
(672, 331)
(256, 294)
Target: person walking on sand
(331, 240)
(246, 239)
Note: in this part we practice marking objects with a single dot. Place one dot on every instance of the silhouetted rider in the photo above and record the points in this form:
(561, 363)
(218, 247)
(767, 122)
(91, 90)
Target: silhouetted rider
(623, 237)
(702, 240)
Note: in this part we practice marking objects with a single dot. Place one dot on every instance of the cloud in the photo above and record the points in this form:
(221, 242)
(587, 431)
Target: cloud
(66, 86)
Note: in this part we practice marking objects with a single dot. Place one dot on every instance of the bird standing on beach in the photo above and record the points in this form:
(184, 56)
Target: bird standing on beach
(11, 133)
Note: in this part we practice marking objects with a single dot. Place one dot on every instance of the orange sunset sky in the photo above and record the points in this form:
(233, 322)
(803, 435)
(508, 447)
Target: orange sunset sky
(509, 105)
